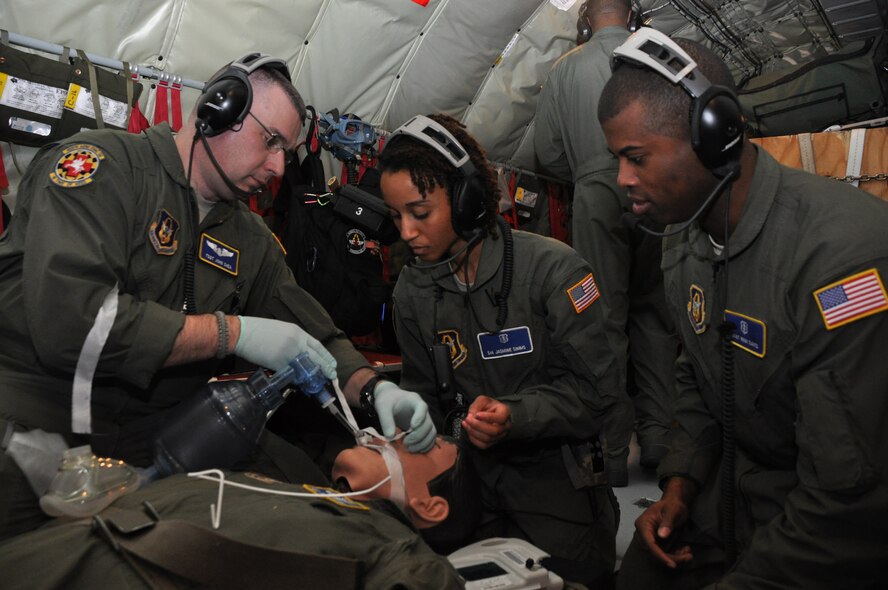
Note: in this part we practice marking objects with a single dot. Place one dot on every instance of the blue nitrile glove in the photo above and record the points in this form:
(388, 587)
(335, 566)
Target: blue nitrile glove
(407, 410)
(273, 343)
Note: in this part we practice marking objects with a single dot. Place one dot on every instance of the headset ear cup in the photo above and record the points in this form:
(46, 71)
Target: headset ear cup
(467, 213)
(717, 127)
(225, 103)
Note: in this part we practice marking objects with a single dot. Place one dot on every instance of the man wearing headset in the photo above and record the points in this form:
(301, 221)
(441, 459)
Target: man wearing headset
(570, 144)
(527, 373)
(776, 475)
(132, 268)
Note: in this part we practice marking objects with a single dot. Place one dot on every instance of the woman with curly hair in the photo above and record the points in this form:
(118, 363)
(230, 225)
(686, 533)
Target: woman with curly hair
(503, 335)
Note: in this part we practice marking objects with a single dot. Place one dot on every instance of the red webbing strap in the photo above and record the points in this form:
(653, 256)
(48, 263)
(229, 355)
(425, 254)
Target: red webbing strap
(512, 215)
(138, 122)
(176, 106)
(161, 108)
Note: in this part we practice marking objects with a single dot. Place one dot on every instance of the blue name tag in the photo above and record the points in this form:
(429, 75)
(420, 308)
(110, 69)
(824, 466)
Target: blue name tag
(748, 334)
(509, 342)
(220, 255)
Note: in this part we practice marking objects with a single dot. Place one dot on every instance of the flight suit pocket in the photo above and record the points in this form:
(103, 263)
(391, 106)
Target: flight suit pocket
(825, 433)
(590, 355)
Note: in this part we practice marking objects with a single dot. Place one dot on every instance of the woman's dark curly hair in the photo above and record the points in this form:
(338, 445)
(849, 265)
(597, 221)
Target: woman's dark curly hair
(429, 169)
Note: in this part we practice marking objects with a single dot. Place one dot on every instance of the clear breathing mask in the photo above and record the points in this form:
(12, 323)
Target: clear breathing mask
(85, 484)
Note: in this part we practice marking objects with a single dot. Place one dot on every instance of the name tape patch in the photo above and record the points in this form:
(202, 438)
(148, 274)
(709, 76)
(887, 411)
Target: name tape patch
(219, 254)
(749, 333)
(511, 342)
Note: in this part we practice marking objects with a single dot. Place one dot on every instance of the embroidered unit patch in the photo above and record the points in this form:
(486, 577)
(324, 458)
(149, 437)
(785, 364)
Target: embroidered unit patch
(357, 241)
(77, 165)
(218, 254)
(852, 298)
(458, 351)
(749, 333)
(697, 309)
(584, 293)
(162, 233)
(327, 494)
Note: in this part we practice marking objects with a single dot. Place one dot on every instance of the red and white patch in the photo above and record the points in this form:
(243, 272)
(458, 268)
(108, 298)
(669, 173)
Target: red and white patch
(77, 165)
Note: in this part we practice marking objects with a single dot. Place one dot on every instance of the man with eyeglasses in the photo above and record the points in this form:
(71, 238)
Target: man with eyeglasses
(132, 269)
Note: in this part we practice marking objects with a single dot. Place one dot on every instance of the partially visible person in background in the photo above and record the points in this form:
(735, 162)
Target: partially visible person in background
(570, 144)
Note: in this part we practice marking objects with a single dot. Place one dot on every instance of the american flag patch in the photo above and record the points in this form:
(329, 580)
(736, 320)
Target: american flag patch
(583, 293)
(851, 298)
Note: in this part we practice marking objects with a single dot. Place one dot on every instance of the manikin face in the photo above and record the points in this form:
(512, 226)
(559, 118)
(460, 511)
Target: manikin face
(424, 222)
(242, 154)
(364, 467)
(664, 178)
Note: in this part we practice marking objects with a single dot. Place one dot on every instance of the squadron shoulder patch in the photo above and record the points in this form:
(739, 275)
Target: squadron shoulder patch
(77, 165)
(162, 233)
(219, 254)
(583, 293)
(851, 299)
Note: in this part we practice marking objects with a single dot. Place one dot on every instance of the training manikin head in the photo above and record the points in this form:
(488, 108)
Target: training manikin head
(441, 494)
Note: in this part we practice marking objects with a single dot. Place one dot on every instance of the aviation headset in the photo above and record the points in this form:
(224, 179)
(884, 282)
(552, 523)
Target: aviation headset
(716, 120)
(584, 28)
(467, 213)
(228, 96)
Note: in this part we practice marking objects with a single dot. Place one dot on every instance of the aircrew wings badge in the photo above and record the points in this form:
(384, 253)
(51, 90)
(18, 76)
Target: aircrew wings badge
(77, 165)
(219, 254)
(851, 299)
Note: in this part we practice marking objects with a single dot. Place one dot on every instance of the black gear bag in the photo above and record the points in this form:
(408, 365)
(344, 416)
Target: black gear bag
(332, 258)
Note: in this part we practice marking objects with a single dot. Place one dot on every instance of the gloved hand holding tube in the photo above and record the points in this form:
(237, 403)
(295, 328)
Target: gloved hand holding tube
(406, 410)
(273, 343)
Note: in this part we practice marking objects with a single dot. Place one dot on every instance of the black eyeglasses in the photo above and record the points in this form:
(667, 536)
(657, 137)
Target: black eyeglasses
(275, 142)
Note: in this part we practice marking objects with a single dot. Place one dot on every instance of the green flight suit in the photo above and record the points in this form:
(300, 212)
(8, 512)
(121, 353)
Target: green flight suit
(811, 477)
(556, 371)
(119, 231)
(570, 143)
(74, 555)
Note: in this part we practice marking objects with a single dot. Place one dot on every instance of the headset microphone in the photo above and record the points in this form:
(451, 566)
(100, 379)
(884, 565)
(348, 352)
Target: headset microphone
(632, 221)
(226, 101)
(426, 266)
(228, 182)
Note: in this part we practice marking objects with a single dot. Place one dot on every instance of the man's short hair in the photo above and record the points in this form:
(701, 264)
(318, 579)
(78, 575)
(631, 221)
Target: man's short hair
(461, 487)
(668, 105)
(270, 76)
(274, 77)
